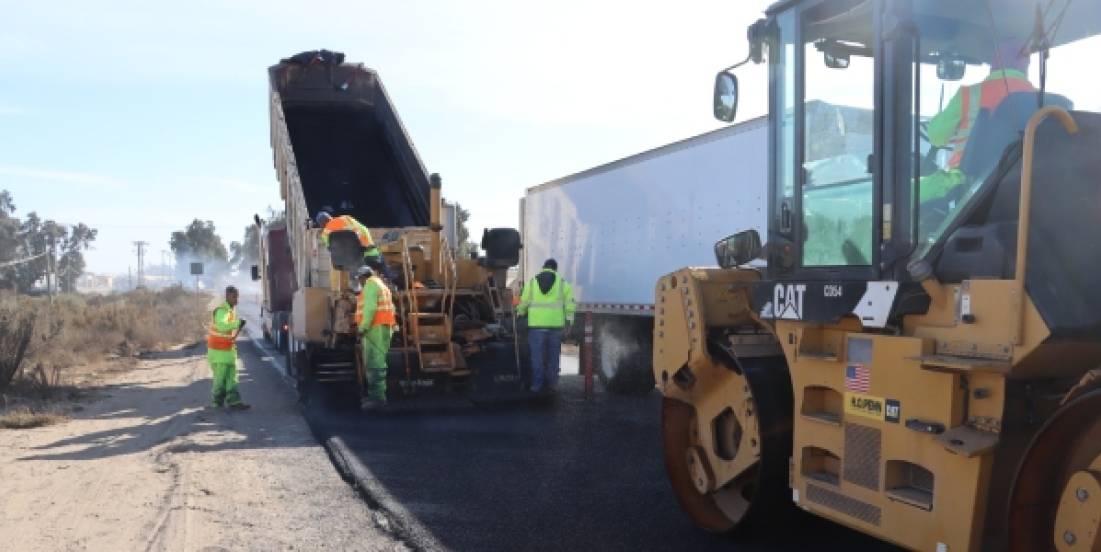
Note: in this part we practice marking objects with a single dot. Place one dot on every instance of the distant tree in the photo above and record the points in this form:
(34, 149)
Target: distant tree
(466, 247)
(25, 239)
(199, 242)
(246, 253)
(70, 265)
(37, 236)
(7, 205)
(9, 239)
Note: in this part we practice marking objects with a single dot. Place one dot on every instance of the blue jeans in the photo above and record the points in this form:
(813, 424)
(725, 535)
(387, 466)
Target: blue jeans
(546, 351)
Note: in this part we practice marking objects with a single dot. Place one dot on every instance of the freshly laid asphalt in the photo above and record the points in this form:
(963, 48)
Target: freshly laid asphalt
(574, 474)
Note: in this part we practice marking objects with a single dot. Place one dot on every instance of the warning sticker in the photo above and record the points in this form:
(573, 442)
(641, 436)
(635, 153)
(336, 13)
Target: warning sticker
(867, 406)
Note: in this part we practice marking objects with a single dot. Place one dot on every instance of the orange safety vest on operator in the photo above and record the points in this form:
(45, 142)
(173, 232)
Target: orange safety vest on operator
(344, 222)
(385, 306)
(221, 341)
(985, 95)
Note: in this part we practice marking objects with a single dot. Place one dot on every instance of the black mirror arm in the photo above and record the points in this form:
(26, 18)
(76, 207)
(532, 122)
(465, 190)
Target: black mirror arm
(747, 59)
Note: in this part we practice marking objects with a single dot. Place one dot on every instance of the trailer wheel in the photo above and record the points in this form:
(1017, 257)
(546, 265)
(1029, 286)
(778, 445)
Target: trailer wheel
(623, 351)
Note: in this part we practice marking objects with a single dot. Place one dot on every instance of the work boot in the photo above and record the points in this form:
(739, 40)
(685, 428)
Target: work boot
(240, 406)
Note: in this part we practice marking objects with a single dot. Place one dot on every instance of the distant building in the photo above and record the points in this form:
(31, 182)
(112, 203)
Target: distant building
(95, 283)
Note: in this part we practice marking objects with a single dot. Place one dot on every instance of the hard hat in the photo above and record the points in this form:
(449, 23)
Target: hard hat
(365, 272)
(322, 217)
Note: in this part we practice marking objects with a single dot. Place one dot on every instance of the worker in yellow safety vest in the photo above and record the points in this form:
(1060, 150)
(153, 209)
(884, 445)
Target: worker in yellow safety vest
(953, 126)
(221, 352)
(330, 224)
(375, 322)
(547, 301)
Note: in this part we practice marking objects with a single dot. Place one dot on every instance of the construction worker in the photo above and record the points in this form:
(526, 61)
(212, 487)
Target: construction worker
(375, 321)
(547, 301)
(221, 352)
(330, 224)
(953, 125)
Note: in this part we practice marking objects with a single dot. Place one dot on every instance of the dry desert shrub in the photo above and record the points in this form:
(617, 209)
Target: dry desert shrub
(23, 417)
(16, 329)
(73, 330)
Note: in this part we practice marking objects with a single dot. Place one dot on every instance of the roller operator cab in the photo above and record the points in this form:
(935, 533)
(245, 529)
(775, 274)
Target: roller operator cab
(918, 359)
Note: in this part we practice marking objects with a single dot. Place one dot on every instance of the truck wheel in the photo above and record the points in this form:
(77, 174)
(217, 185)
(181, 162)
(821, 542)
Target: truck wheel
(297, 368)
(623, 354)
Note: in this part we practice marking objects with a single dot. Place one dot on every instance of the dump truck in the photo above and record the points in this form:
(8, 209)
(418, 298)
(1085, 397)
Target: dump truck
(669, 204)
(916, 361)
(339, 146)
(276, 276)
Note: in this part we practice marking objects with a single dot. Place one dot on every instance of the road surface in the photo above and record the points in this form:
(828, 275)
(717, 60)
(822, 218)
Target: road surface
(575, 475)
(143, 465)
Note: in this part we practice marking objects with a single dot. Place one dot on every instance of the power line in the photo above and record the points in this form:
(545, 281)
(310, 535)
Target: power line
(23, 260)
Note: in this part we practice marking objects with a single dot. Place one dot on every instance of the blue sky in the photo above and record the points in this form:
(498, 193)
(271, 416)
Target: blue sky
(139, 116)
(136, 117)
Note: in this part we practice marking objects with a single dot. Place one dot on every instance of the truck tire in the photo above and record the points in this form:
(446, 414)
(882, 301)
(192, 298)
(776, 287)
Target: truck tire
(623, 353)
(298, 368)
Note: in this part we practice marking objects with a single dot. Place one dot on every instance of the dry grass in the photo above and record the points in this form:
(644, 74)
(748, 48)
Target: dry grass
(25, 418)
(73, 330)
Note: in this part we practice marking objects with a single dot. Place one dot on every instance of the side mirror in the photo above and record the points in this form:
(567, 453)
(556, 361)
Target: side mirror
(255, 273)
(725, 96)
(950, 68)
(836, 60)
(739, 249)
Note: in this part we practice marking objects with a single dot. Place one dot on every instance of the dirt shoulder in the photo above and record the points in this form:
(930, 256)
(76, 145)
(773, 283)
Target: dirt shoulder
(143, 465)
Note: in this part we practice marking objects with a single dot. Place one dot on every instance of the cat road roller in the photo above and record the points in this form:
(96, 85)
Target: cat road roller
(915, 350)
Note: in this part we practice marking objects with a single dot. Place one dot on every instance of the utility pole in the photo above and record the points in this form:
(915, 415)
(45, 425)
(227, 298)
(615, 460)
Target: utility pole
(140, 246)
(51, 272)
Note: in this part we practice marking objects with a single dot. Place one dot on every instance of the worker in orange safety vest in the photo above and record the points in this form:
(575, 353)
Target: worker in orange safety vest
(330, 224)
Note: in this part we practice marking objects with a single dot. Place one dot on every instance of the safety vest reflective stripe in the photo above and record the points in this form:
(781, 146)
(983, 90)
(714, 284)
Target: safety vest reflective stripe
(985, 95)
(969, 112)
(222, 341)
(384, 313)
(547, 305)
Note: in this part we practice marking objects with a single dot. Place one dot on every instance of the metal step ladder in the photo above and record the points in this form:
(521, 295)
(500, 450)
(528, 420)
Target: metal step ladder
(429, 333)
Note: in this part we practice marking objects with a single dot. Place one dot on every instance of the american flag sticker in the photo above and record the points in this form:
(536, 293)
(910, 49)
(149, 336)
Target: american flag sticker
(857, 378)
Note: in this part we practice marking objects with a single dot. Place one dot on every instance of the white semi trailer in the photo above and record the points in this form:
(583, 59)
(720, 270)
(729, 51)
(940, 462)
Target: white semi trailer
(615, 229)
